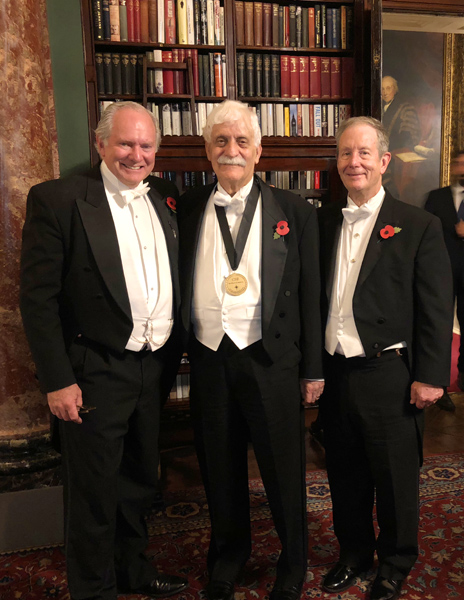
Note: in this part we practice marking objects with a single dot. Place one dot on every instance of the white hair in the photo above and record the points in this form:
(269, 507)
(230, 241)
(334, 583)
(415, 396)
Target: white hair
(231, 111)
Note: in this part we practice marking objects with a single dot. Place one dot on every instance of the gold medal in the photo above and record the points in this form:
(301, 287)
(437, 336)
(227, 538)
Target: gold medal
(236, 284)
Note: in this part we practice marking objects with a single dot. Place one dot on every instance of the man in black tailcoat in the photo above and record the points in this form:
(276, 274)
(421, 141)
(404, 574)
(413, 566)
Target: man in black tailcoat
(388, 339)
(99, 301)
(448, 205)
(250, 271)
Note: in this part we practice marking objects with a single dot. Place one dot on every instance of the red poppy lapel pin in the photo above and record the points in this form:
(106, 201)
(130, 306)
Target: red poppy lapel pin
(281, 229)
(171, 202)
(389, 231)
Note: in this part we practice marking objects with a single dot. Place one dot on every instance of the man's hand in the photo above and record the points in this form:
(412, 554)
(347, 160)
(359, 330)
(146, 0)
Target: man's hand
(64, 403)
(460, 228)
(423, 394)
(310, 391)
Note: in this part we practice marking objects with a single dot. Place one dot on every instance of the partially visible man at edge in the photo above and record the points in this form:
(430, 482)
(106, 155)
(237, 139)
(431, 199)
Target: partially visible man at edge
(99, 301)
(250, 274)
(388, 308)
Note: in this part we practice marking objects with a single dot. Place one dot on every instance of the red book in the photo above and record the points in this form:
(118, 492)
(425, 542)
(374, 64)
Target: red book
(137, 26)
(153, 20)
(304, 76)
(287, 26)
(314, 76)
(176, 74)
(258, 23)
(249, 25)
(335, 77)
(182, 74)
(196, 77)
(169, 21)
(294, 77)
(239, 23)
(317, 180)
(130, 20)
(218, 74)
(285, 76)
(325, 77)
(168, 75)
(347, 76)
(311, 28)
(144, 35)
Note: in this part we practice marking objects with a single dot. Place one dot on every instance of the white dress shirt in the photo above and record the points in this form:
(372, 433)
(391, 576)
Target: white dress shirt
(214, 312)
(458, 195)
(145, 263)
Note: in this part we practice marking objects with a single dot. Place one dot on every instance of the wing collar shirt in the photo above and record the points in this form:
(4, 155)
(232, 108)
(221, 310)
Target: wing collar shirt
(458, 195)
(145, 262)
(214, 312)
(358, 222)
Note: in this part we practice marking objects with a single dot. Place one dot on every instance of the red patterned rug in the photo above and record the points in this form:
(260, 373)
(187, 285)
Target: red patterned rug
(179, 538)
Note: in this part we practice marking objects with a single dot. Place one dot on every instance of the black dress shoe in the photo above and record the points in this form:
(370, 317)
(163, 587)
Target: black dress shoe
(161, 587)
(341, 577)
(220, 590)
(445, 403)
(385, 589)
(286, 593)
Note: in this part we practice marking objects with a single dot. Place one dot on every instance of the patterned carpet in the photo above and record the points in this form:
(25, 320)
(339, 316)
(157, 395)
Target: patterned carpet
(179, 538)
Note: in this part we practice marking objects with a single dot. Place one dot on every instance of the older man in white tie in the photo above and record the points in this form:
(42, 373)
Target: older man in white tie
(250, 270)
(99, 300)
(388, 312)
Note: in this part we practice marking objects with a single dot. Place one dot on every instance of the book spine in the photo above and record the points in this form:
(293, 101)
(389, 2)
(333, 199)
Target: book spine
(107, 73)
(324, 123)
(325, 77)
(125, 74)
(168, 74)
(349, 28)
(267, 24)
(317, 26)
(97, 20)
(330, 28)
(311, 28)
(335, 78)
(197, 21)
(126, 20)
(275, 25)
(304, 28)
(217, 23)
(323, 26)
(153, 20)
(285, 76)
(211, 73)
(190, 22)
(159, 86)
(281, 27)
(304, 76)
(347, 69)
(137, 24)
(218, 74)
(258, 23)
(161, 22)
(181, 22)
(239, 23)
(167, 130)
(170, 22)
(132, 73)
(196, 78)
(267, 75)
(203, 23)
(287, 26)
(100, 73)
(294, 77)
(250, 74)
(206, 75)
(210, 21)
(176, 74)
(249, 24)
(144, 34)
(317, 120)
(336, 26)
(114, 20)
(275, 76)
(314, 76)
(182, 53)
(106, 20)
(139, 89)
(259, 75)
(224, 74)
(116, 73)
(150, 72)
(241, 90)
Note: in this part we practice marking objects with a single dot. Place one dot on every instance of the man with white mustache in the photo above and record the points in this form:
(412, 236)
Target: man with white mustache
(250, 275)
(99, 301)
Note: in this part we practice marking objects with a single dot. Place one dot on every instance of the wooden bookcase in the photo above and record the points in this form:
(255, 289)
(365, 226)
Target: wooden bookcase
(279, 153)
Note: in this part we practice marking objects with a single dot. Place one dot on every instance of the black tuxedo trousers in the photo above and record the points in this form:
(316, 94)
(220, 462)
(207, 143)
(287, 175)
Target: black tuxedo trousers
(110, 467)
(237, 396)
(373, 451)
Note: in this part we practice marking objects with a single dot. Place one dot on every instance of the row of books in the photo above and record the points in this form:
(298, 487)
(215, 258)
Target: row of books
(301, 120)
(119, 73)
(192, 22)
(209, 73)
(274, 76)
(273, 25)
(295, 180)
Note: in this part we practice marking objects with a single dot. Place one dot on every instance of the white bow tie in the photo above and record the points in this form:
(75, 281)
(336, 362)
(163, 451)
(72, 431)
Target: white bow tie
(352, 215)
(236, 202)
(133, 193)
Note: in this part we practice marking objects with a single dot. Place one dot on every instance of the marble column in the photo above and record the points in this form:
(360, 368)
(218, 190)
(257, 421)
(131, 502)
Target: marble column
(28, 155)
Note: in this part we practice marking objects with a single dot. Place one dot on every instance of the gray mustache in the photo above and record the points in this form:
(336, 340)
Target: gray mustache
(224, 160)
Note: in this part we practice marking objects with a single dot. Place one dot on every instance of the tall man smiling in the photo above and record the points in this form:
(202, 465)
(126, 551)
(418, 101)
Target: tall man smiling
(99, 300)
(249, 266)
(388, 344)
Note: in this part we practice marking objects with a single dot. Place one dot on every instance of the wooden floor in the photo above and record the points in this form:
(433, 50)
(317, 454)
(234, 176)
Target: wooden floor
(444, 433)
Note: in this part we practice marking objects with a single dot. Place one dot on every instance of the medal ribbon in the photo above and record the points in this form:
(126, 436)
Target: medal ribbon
(234, 253)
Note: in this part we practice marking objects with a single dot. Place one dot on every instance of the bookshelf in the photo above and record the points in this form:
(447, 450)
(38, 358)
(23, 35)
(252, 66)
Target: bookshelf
(301, 153)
